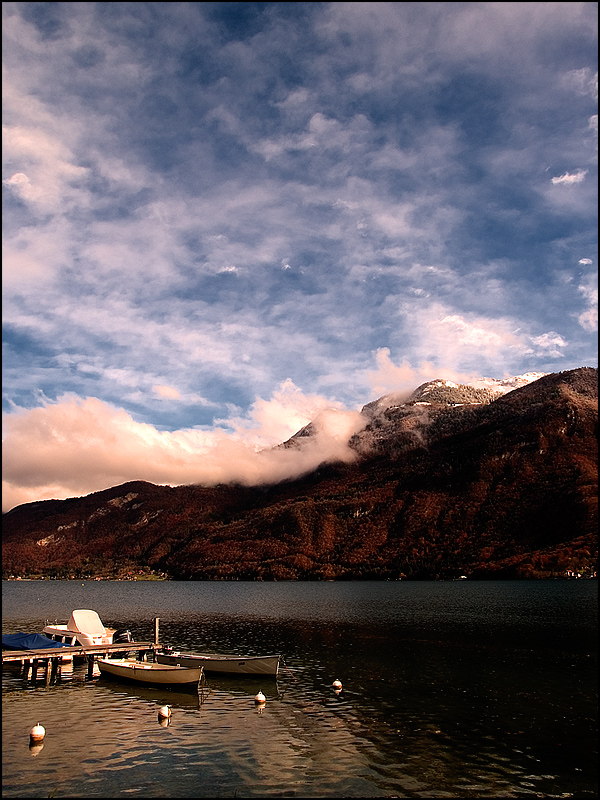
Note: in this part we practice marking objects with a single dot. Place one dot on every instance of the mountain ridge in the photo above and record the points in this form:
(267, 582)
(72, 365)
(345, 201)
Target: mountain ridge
(501, 488)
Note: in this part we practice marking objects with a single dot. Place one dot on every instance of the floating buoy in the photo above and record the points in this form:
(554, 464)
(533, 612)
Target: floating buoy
(164, 711)
(337, 684)
(260, 698)
(164, 722)
(37, 733)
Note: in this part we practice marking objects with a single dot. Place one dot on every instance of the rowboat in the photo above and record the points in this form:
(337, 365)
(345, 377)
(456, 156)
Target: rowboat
(226, 664)
(149, 671)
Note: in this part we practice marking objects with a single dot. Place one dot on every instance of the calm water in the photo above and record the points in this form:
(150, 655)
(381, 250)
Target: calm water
(459, 689)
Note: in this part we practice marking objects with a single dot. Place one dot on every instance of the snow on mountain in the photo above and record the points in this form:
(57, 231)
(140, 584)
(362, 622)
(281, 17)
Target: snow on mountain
(405, 418)
(481, 390)
(410, 412)
(504, 385)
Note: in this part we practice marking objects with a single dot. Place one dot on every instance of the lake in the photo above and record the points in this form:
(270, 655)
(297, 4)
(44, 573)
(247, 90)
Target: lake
(450, 689)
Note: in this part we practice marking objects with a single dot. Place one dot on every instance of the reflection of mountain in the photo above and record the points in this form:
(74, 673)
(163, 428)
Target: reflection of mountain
(451, 480)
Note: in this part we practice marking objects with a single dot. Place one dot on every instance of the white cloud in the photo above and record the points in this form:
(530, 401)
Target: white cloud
(460, 342)
(33, 256)
(589, 318)
(389, 377)
(80, 445)
(17, 179)
(50, 174)
(585, 261)
(551, 343)
(168, 392)
(471, 335)
(570, 178)
(258, 231)
(584, 81)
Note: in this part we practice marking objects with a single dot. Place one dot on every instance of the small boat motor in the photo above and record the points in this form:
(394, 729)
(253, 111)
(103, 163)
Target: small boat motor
(121, 636)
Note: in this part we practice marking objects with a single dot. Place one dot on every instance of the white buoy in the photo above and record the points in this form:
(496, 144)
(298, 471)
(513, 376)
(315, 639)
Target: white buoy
(37, 733)
(164, 711)
(260, 698)
(337, 684)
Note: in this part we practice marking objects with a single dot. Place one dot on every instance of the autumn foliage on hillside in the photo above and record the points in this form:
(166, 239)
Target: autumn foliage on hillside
(506, 489)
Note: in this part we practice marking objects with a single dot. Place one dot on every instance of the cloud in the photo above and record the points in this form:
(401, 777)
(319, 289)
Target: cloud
(17, 179)
(585, 261)
(584, 81)
(550, 342)
(570, 178)
(469, 343)
(588, 319)
(199, 207)
(51, 176)
(389, 377)
(168, 392)
(75, 446)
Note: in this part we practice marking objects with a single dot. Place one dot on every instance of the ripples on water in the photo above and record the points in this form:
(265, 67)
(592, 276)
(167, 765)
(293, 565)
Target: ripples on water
(448, 691)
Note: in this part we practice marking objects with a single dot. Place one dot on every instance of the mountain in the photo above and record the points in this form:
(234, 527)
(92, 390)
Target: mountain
(487, 481)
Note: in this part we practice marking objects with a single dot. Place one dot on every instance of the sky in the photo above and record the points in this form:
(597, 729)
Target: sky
(224, 220)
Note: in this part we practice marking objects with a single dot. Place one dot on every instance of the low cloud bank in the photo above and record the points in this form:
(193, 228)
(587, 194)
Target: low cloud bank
(74, 446)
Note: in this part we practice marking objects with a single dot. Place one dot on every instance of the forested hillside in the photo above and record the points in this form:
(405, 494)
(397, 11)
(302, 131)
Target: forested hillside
(488, 488)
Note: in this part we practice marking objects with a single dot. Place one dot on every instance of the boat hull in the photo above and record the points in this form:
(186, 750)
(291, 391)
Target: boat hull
(225, 664)
(149, 672)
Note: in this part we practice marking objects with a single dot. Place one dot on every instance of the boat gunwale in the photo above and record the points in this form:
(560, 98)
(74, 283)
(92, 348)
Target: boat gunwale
(134, 670)
(224, 664)
(217, 656)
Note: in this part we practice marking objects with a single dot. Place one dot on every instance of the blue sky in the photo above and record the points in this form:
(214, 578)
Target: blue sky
(221, 219)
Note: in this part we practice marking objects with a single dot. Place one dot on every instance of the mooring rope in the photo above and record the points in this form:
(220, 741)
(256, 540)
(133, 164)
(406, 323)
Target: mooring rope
(285, 666)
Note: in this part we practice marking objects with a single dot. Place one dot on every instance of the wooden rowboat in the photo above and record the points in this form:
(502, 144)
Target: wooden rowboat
(225, 664)
(149, 672)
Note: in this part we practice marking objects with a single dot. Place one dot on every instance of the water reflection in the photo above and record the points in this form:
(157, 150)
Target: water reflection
(154, 696)
(456, 702)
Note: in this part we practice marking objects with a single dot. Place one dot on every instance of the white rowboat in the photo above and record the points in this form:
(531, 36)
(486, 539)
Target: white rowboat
(225, 664)
(149, 672)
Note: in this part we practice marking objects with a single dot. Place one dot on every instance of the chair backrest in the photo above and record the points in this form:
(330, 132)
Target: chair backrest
(85, 621)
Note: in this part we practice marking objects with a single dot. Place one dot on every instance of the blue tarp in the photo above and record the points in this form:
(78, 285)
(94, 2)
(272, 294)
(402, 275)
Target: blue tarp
(28, 641)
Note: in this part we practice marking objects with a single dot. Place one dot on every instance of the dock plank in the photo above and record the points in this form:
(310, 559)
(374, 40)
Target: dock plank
(77, 650)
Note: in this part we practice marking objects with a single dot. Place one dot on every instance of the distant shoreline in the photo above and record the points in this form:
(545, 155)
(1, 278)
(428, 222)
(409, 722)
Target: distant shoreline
(235, 580)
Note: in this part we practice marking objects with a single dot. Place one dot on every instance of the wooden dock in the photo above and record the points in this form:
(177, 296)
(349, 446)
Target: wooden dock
(50, 658)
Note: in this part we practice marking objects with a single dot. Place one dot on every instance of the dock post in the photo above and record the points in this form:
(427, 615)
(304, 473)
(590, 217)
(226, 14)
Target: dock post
(34, 670)
(53, 670)
(90, 670)
(156, 630)
(47, 672)
(26, 666)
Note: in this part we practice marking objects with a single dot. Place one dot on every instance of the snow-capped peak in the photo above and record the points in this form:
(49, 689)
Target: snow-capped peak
(480, 390)
(504, 385)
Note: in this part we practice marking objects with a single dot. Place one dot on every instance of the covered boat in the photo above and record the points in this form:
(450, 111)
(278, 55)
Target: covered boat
(28, 641)
(226, 664)
(149, 672)
(84, 628)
